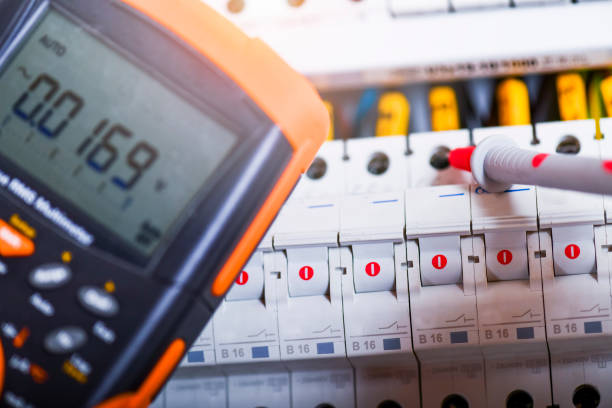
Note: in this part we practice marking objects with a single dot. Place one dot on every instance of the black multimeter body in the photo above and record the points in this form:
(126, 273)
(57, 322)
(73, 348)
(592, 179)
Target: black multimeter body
(143, 293)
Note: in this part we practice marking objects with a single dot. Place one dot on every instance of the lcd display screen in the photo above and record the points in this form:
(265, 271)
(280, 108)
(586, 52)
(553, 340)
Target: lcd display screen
(104, 134)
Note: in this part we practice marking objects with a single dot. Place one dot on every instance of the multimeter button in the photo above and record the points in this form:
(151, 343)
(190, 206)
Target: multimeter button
(49, 276)
(65, 340)
(14, 243)
(98, 301)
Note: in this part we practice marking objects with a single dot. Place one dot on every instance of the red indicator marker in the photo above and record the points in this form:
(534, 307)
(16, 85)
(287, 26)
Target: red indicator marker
(538, 159)
(504, 257)
(243, 277)
(372, 269)
(439, 261)
(306, 272)
(607, 165)
(572, 251)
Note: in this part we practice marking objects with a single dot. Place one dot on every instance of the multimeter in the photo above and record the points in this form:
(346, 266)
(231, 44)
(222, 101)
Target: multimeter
(145, 148)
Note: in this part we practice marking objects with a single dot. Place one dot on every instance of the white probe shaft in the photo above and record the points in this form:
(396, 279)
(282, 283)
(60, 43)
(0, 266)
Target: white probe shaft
(504, 164)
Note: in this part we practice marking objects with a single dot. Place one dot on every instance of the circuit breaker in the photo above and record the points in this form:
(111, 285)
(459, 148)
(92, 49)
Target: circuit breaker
(509, 287)
(572, 230)
(310, 319)
(375, 285)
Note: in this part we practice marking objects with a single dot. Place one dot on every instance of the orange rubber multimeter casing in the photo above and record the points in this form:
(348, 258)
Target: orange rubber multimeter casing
(107, 273)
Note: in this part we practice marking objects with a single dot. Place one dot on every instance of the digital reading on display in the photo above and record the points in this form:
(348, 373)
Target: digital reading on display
(103, 134)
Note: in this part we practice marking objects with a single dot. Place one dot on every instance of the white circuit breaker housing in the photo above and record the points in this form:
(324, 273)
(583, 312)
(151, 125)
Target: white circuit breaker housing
(567, 213)
(197, 377)
(262, 387)
(429, 151)
(375, 299)
(576, 291)
(509, 287)
(325, 177)
(247, 332)
(245, 322)
(376, 165)
(307, 268)
(189, 386)
(444, 315)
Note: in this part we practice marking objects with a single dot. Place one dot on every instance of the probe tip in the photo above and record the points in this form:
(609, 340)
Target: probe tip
(460, 158)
